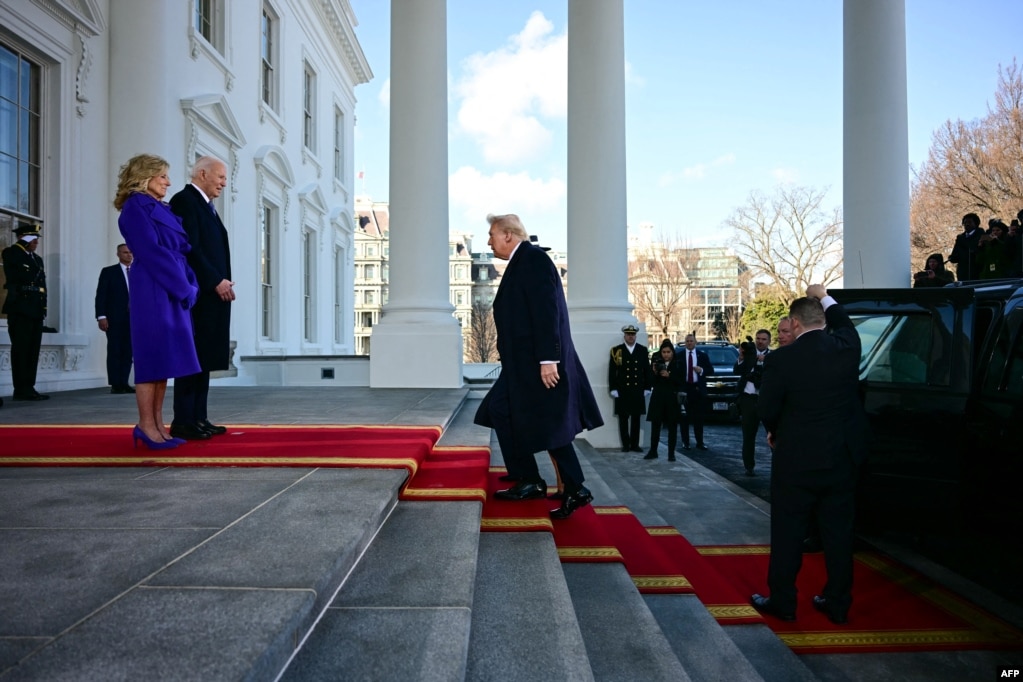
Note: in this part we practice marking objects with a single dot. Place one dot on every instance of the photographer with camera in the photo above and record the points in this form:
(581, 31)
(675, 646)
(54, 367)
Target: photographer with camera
(750, 368)
(934, 273)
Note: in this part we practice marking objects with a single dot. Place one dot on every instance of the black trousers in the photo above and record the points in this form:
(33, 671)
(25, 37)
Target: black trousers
(191, 394)
(794, 499)
(628, 429)
(750, 420)
(655, 436)
(26, 338)
(118, 354)
(695, 414)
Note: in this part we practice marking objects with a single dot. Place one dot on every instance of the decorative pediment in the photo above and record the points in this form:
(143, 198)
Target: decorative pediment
(271, 161)
(312, 197)
(78, 15)
(214, 114)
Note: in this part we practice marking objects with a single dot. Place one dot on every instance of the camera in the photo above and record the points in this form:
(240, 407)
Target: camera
(748, 347)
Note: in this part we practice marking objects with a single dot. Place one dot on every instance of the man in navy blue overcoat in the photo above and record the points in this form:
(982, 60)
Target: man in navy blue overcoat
(112, 318)
(210, 258)
(542, 399)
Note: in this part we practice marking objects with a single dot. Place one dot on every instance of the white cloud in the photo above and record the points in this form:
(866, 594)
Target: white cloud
(385, 94)
(696, 172)
(474, 195)
(785, 176)
(509, 96)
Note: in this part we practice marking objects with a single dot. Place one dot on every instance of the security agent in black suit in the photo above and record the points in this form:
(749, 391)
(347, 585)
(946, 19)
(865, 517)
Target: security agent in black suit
(964, 253)
(629, 378)
(25, 307)
(750, 367)
(112, 318)
(810, 404)
(695, 367)
(210, 258)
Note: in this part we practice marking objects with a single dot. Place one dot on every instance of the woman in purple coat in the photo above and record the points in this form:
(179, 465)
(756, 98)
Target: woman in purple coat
(162, 290)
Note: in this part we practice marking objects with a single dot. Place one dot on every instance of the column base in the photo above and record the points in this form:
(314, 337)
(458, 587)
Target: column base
(420, 355)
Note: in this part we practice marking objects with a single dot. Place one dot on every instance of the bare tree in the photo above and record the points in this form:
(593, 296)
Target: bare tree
(728, 324)
(789, 238)
(659, 285)
(481, 341)
(972, 167)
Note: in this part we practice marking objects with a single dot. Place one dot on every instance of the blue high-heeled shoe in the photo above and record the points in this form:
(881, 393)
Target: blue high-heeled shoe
(140, 435)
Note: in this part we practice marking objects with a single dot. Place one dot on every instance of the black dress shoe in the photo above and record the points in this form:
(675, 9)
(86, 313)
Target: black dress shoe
(671, 458)
(129, 389)
(580, 498)
(685, 446)
(189, 432)
(117, 390)
(524, 490)
(34, 395)
(651, 455)
(636, 449)
(821, 604)
(508, 478)
(625, 448)
(701, 446)
(212, 429)
(765, 605)
(558, 496)
(749, 472)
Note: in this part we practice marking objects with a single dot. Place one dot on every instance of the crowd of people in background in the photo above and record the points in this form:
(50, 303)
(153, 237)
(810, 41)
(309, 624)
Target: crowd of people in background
(978, 254)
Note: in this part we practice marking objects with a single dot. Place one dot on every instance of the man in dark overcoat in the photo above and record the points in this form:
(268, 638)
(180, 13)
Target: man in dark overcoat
(210, 258)
(966, 247)
(542, 398)
(810, 405)
(25, 307)
(696, 367)
(114, 321)
(629, 379)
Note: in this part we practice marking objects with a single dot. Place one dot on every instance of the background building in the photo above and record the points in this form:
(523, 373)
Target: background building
(266, 86)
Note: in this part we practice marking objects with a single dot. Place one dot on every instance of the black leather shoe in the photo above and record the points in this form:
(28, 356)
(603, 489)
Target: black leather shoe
(580, 498)
(508, 478)
(117, 390)
(749, 472)
(765, 605)
(524, 490)
(636, 449)
(556, 496)
(821, 604)
(701, 446)
(685, 446)
(34, 395)
(625, 448)
(671, 458)
(189, 432)
(212, 429)
(129, 389)
(651, 455)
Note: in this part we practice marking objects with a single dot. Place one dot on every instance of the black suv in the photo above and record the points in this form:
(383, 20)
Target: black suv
(942, 380)
(723, 386)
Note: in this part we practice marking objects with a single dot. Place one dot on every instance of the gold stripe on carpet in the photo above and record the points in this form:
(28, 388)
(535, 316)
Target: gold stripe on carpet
(462, 493)
(740, 550)
(150, 460)
(851, 639)
(728, 611)
(515, 523)
(589, 553)
(612, 510)
(663, 531)
(660, 581)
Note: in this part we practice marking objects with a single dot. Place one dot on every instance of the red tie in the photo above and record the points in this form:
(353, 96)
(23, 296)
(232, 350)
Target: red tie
(692, 375)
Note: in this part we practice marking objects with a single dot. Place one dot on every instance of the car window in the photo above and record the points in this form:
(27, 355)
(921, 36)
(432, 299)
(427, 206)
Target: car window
(1008, 355)
(904, 348)
(721, 356)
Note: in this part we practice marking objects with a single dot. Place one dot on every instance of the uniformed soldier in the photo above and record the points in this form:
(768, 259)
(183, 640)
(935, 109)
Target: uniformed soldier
(629, 379)
(25, 307)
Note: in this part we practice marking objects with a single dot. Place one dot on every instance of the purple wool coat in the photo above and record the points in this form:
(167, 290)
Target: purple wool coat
(162, 290)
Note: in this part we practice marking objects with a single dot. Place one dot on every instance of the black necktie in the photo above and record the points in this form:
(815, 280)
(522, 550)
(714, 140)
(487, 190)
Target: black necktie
(213, 207)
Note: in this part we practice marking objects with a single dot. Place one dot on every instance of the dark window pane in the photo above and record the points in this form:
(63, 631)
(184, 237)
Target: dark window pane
(8, 74)
(8, 127)
(24, 197)
(8, 181)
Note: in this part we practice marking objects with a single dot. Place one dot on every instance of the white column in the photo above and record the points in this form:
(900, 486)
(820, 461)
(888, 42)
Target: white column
(418, 343)
(597, 231)
(876, 144)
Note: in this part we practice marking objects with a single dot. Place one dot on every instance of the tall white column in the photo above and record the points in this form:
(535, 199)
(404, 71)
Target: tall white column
(419, 313)
(597, 231)
(876, 144)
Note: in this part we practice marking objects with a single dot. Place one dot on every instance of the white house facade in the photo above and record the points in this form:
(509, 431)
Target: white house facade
(265, 85)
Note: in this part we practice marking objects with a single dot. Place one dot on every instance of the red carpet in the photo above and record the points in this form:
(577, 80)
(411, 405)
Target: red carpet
(435, 473)
(895, 608)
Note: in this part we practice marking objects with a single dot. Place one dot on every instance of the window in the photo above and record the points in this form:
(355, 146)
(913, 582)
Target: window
(339, 145)
(366, 319)
(308, 262)
(209, 22)
(20, 116)
(370, 297)
(309, 107)
(268, 55)
(371, 272)
(903, 349)
(339, 292)
(266, 276)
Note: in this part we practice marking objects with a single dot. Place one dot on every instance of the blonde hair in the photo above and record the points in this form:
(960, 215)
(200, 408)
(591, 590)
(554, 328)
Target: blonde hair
(135, 175)
(509, 222)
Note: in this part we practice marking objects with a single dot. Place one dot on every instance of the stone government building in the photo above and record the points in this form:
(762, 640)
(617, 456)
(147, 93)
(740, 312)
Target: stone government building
(266, 86)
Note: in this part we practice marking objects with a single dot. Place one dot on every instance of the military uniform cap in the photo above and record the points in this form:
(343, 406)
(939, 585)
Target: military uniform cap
(24, 229)
(630, 329)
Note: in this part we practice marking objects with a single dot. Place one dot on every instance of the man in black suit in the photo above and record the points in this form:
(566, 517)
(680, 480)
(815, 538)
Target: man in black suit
(25, 307)
(696, 367)
(810, 404)
(964, 252)
(210, 258)
(629, 379)
(112, 318)
(542, 399)
(750, 367)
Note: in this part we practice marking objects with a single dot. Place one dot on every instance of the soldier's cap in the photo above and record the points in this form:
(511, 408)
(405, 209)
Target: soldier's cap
(535, 241)
(630, 329)
(24, 229)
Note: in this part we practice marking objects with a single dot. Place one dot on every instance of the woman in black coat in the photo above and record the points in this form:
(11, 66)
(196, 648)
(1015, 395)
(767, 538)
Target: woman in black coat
(664, 400)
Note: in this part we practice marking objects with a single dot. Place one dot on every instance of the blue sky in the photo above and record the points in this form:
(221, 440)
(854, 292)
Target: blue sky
(722, 99)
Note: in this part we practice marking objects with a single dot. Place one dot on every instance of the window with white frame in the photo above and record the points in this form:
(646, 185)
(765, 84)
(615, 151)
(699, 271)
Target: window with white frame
(209, 22)
(267, 279)
(339, 144)
(308, 273)
(309, 107)
(339, 293)
(268, 51)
